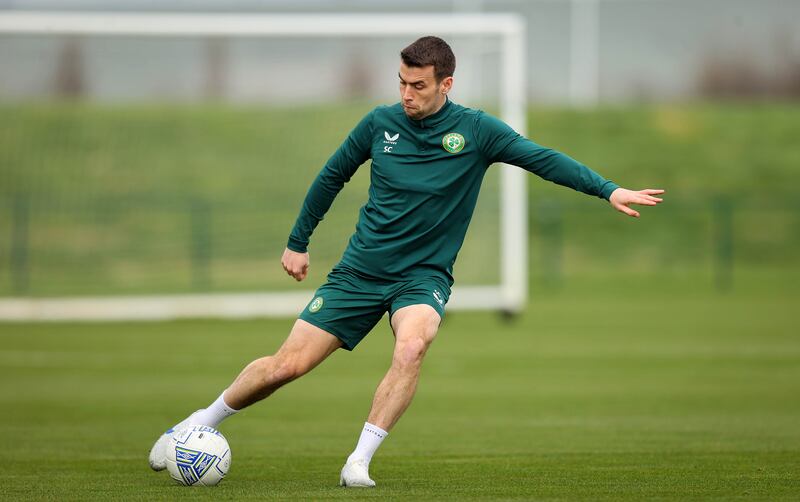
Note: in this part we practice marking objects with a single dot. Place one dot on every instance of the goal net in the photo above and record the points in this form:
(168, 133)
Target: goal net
(154, 164)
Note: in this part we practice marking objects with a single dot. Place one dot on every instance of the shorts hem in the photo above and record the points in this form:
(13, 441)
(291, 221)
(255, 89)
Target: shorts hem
(400, 305)
(321, 325)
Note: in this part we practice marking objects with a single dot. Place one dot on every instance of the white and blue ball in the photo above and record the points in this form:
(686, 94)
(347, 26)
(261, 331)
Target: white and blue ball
(198, 455)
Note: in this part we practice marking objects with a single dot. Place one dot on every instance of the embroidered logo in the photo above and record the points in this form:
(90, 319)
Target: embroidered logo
(316, 304)
(438, 297)
(389, 138)
(453, 142)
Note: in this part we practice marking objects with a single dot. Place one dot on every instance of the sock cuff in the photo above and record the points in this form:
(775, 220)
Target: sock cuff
(374, 429)
(224, 405)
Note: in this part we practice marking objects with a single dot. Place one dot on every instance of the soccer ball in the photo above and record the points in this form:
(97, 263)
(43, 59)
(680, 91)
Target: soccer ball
(198, 455)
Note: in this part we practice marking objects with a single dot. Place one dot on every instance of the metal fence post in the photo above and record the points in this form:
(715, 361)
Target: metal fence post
(551, 223)
(723, 240)
(200, 244)
(19, 244)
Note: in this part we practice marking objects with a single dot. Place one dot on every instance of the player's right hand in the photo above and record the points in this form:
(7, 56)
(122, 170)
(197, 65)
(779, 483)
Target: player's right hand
(295, 264)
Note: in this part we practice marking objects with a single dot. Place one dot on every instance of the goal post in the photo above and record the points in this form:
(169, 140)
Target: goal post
(509, 295)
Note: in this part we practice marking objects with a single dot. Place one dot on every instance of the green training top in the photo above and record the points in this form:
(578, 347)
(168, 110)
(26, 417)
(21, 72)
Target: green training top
(425, 179)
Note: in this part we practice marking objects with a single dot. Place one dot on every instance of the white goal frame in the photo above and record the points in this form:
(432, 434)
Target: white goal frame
(509, 296)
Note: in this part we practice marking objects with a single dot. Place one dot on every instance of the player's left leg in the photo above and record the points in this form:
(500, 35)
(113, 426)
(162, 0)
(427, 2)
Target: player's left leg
(415, 327)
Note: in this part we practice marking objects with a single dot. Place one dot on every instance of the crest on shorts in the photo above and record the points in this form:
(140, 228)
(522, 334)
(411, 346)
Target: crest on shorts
(316, 304)
(453, 142)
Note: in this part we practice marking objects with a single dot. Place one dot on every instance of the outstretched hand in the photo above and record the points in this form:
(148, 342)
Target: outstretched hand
(621, 199)
(295, 264)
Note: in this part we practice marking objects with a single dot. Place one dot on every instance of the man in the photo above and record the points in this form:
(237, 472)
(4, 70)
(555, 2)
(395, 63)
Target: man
(429, 156)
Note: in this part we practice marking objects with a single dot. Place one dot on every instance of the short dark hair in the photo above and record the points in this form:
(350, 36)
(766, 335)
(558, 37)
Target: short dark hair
(431, 50)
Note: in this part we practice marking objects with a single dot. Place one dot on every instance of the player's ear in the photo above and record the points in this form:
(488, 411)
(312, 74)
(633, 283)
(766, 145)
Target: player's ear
(445, 85)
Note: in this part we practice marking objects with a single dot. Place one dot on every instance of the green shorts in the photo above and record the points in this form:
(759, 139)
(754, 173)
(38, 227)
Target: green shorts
(349, 305)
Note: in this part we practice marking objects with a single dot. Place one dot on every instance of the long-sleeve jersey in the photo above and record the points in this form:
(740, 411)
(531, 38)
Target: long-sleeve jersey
(425, 179)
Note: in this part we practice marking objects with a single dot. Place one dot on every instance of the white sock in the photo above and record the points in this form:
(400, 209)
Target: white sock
(213, 415)
(371, 437)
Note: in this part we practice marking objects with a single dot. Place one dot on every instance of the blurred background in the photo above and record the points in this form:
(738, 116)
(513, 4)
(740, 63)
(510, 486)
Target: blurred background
(178, 164)
(656, 358)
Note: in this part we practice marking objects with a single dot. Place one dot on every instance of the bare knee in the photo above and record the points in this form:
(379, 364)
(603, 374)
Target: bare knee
(408, 353)
(415, 329)
(287, 370)
(305, 347)
(279, 369)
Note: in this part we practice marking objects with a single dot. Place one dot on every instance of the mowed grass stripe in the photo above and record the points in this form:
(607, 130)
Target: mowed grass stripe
(591, 394)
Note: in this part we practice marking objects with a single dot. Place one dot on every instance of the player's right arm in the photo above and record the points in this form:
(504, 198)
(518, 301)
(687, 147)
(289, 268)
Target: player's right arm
(354, 151)
(295, 264)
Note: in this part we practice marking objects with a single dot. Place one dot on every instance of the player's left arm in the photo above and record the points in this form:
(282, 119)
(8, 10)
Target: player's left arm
(500, 143)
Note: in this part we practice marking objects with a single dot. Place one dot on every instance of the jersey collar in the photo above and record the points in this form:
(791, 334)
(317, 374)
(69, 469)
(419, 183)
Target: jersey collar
(436, 118)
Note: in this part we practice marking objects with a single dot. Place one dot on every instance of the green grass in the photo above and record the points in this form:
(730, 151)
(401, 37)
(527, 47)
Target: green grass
(628, 377)
(112, 192)
(605, 390)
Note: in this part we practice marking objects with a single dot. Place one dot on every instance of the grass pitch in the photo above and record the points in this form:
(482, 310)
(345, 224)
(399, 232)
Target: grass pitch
(599, 392)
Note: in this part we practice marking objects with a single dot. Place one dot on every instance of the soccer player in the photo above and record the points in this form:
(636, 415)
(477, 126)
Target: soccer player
(429, 156)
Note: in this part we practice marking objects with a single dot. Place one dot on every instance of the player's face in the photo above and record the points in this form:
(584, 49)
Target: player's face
(420, 94)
